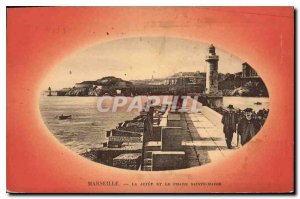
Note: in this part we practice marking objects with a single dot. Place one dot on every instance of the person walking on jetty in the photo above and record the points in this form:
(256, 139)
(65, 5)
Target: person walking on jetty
(248, 126)
(148, 125)
(229, 120)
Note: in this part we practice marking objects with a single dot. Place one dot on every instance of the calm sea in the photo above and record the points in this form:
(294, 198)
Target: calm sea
(247, 102)
(87, 127)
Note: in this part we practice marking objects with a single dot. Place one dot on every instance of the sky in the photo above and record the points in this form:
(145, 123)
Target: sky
(137, 58)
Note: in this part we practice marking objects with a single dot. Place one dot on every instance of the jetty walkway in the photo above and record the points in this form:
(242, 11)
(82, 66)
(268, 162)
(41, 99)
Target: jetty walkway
(185, 140)
(206, 142)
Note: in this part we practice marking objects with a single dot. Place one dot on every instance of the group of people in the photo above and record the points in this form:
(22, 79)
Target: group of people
(246, 123)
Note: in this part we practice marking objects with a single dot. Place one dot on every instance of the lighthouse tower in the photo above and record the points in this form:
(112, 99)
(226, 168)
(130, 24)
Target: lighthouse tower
(212, 71)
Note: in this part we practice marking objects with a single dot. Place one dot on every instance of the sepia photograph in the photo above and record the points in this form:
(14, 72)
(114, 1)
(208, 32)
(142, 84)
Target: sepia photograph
(136, 109)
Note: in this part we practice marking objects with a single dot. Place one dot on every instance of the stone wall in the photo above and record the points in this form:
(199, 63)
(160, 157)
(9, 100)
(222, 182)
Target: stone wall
(168, 160)
(128, 161)
(213, 116)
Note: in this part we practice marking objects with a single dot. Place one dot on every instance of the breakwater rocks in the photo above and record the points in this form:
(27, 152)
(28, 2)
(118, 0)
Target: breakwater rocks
(125, 143)
(154, 145)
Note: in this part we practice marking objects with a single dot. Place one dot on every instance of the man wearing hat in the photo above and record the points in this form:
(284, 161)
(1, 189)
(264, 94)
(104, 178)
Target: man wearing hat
(248, 126)
(229, 120)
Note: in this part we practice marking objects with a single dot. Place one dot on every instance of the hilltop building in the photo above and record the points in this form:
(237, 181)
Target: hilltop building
(248, 71)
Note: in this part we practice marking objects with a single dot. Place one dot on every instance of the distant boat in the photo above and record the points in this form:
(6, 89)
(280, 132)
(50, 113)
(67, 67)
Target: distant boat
(257, 103)
(64, 117)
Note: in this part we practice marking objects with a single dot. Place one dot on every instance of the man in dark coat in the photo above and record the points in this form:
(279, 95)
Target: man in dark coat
(248, 126)
(148, 125)
(230, 119)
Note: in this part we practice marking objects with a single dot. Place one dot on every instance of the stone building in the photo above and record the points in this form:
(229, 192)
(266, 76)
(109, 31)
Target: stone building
(248, 71)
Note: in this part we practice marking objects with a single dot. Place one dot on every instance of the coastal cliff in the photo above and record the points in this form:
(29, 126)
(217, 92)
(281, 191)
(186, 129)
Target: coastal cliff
(229, 85)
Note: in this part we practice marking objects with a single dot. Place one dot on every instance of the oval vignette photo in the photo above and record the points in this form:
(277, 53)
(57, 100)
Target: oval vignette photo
(154, 103)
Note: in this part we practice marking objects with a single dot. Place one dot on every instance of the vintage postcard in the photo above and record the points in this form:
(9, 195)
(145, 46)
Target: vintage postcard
(150, 100)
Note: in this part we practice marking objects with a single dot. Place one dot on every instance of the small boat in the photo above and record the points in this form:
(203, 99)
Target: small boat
(257, 103)
(64, 117)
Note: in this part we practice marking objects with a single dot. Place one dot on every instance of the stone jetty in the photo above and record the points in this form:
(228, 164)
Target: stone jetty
(177, 141)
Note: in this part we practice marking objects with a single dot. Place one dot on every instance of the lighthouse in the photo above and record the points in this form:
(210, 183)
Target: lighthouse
(213, 96)
(212, 71)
